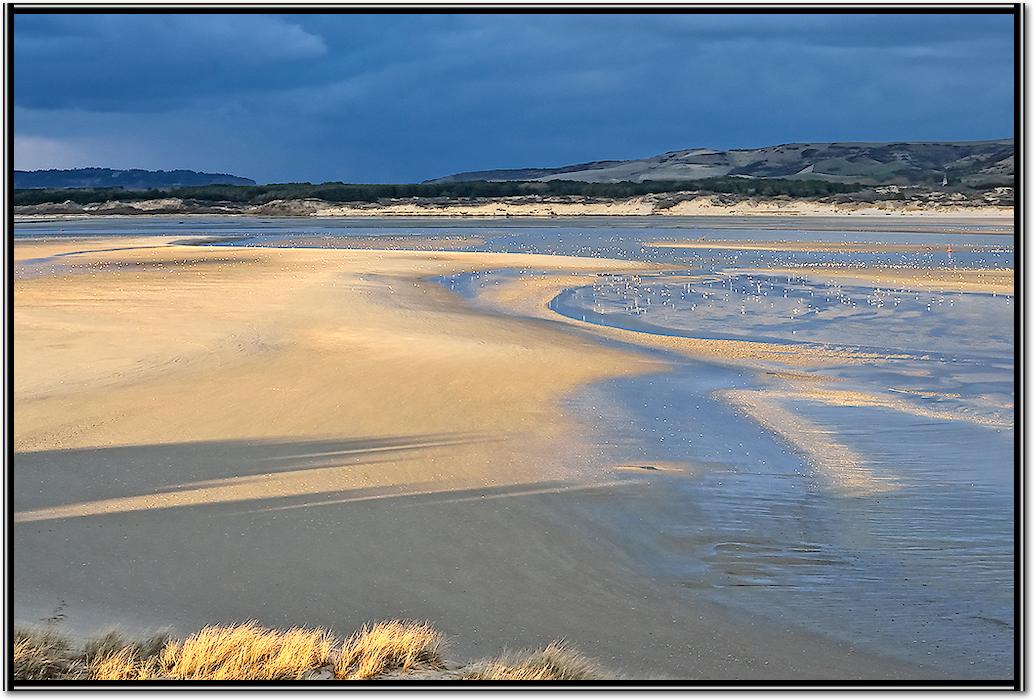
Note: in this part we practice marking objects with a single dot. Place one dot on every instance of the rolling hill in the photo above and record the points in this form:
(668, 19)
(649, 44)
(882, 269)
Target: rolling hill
(977, 163)
(121, 179)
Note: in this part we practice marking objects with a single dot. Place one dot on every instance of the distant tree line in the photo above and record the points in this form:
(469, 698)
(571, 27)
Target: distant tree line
(343, 192)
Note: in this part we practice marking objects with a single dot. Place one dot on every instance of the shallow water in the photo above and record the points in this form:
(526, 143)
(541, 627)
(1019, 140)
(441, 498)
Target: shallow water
(922, 570)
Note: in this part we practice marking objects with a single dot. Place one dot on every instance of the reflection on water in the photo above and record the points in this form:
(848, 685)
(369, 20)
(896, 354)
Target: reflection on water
(779, 308)
(923, 571)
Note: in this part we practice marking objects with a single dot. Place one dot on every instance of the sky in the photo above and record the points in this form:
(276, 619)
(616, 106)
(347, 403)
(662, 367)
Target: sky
(403, 98)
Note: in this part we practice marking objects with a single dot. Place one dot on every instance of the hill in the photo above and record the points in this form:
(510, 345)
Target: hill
(121, 179)
(974, 163)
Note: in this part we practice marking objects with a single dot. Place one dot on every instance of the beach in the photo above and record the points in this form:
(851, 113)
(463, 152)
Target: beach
(330, 434)
(530, 207)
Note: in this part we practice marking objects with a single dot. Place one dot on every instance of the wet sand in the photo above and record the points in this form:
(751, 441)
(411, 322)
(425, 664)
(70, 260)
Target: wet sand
(324, 437)
(996, 281)
(534, 295)
(841, 467)
(384, 242)
(810, 246)
(530, 295)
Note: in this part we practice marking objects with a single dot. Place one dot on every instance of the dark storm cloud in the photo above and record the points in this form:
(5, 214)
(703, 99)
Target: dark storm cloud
(405, 97)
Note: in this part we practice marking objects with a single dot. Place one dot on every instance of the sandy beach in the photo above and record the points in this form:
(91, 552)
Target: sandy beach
(324, 437)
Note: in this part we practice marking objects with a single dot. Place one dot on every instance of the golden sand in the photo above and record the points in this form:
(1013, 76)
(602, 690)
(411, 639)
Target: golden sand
(293, 344)
(309, 436)
(997, 281)
(384, 242)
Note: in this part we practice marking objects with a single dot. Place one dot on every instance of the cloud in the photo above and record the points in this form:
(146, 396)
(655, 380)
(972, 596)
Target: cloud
(408, 97)
(177, 39)
(149, 62)
(38, 152)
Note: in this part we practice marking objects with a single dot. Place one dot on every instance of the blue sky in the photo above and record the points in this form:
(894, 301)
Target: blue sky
(402, 98)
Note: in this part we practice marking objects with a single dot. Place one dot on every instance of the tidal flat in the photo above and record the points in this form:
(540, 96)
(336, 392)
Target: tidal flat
(762, 458)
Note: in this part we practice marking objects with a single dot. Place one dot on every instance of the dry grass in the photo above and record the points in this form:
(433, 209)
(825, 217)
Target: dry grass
(117, 665)
(246, 652)
(42, 655)
(556, 662)
(114, 642)
(250, 652)
(389, 646)
(113, 658)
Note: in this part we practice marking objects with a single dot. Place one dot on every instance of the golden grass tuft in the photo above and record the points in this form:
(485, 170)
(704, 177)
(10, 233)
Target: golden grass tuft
(120, 665)
(250, 652)
(389, 646)
(555, 662)
(43, 655)
(113, 642)
(113, 658)
(246, 652)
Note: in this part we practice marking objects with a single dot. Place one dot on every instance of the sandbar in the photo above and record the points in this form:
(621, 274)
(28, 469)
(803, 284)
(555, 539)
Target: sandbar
(324, 437)
(982, 280)
(813, 246)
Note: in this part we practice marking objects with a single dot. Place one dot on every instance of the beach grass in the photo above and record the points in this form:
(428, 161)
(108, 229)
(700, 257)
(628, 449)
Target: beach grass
(44, 655)
(246, 651)
(389, 646)
(555, 662)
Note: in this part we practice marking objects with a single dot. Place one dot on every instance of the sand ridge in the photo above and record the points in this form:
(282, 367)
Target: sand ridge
(813, 246)
(981, 280)
(530, 295)
(842, 468)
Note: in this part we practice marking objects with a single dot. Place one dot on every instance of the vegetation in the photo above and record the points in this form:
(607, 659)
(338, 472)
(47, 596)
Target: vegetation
(390, 649)
(556, 662)
(245, 651)
(43, 656)
(387, 646)
(342, 192)
(126, 179)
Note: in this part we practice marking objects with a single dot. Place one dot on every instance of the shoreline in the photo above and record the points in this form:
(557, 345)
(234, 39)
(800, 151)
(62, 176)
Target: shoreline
(638, 207)
(989, 225)
(810, 246)
(843, 469)
(259, 448)
(965, 280)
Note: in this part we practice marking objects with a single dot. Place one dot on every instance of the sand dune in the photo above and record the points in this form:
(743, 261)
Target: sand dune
(703, 205)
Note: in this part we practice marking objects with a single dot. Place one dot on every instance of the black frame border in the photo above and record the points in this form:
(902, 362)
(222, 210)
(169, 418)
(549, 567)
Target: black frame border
(1016, 10)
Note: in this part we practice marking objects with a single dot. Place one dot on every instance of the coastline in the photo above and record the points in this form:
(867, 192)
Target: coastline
(698, 206)
(250, 424)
